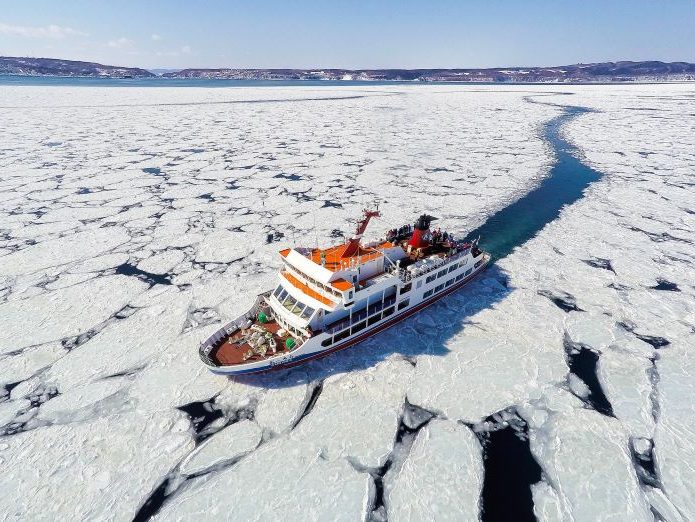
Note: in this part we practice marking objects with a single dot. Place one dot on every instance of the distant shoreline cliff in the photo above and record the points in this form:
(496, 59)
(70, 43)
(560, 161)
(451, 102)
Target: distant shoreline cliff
(609, 72)
(17, 66)
(597, 72)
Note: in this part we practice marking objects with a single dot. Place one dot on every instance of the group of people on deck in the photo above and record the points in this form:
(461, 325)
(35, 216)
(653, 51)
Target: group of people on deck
(441, 237)
(398, 233)
(406, 230)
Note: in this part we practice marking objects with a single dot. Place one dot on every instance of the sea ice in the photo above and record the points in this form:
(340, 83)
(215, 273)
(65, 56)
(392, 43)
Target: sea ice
(227, 444)
(585, 457)
(442, 477)
(160, 214)
(304, 486)
(64, 312)
(546, 505)
(675, 429)
(59, 251)
(357, 414)
(627, 383)
(89, 470)
(20, 366)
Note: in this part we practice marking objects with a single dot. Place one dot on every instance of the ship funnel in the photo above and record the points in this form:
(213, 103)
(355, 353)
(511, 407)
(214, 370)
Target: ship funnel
(421, 235)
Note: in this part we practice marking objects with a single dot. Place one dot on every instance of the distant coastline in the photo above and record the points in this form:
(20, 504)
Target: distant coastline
(608, 72)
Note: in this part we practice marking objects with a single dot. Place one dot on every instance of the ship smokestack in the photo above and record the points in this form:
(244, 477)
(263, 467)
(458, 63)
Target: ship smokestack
(421, 232)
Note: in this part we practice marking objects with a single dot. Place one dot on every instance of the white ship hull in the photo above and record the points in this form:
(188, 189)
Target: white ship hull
(324, 343)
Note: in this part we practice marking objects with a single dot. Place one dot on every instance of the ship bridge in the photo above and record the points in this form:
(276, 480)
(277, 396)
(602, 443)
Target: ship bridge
(331, 276)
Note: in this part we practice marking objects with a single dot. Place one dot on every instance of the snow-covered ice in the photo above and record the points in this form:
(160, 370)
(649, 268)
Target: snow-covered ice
(441, 478)
(134, 220)
(228, 444)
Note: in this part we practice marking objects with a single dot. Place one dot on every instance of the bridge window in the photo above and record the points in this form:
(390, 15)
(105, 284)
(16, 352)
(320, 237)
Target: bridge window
(307, 312)
(293, 306)
(289, 302)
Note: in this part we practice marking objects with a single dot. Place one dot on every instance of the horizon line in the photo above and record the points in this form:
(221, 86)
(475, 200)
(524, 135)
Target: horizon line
(148, 68)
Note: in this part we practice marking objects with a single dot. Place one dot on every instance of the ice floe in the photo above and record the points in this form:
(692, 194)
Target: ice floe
(229, 444)
(330, 489)
(442, 477)
(89, 470)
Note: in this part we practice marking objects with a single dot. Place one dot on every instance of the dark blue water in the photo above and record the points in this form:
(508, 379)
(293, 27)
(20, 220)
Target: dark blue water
(510, 469)
(517, 223)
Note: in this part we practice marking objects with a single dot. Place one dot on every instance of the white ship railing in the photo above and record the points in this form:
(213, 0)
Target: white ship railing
(407, 275)
(228, 329)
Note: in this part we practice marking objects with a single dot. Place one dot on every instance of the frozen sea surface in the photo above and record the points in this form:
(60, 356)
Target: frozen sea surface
(133, 221)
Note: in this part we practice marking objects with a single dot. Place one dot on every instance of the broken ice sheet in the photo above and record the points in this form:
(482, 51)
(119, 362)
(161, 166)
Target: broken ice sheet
(442, 476)
(585, 457)
(63, 312)
(304, 487)
(197, 202)
(109, 454)
(227, 445)
(376, 395)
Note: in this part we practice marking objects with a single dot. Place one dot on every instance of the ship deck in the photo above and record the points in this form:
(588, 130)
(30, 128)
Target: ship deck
(334, 257)
(252, 344)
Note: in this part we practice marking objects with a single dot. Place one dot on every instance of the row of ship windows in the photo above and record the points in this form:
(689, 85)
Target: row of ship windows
(450, 282)
(289, 327)
(291, 304)
(361, 325)
(361, 313)
(442, 273)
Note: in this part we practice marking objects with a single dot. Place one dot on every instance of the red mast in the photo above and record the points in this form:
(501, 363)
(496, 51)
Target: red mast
(354, 244)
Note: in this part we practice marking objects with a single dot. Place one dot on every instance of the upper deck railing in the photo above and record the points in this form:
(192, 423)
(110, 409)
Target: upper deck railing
(225, 331)
(434, 264)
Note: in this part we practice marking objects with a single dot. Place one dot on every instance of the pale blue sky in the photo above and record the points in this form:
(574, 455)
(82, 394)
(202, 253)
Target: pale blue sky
(351, 34)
